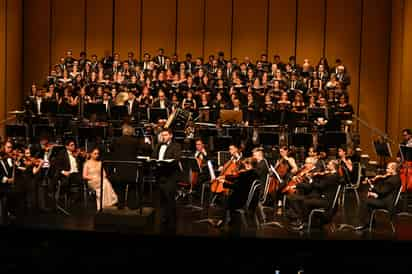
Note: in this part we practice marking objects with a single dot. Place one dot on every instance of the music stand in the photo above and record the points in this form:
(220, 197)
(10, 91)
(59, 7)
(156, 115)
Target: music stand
(190, 165)
(90, 133)
(269, 139)
(302, 140)
(16, 131)
(222, 143)
(316, 112)
(98, 109)
(48, 107)
(118, 112)
(333, 139)
(155, 114)
(383, 151)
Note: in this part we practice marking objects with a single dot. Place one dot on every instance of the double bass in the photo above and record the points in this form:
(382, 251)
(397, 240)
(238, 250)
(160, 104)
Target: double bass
(230, 168)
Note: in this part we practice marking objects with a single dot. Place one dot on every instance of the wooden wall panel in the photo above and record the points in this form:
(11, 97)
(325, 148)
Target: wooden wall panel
(190, 27)
(374, 69)
(249, 29)
(3, 102)
(310, 30)
(395, 80)
(218, 27)
(68, 27)
(343, 39)
(36, 42)
(282, 28)
(14, 76)
(99, 39)
(159, 26)
(406, 88)
(127, 27)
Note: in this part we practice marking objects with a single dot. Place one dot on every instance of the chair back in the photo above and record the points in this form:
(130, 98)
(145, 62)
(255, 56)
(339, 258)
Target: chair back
(335, 200)
(265, 192)
(397, 198)
(358, 174)
(254, 190)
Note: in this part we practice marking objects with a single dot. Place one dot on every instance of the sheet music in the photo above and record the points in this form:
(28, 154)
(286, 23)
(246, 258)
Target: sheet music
(211, 170)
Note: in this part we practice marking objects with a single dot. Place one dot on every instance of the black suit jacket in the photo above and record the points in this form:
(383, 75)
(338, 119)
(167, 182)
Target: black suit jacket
(62, 163)
(172, 171)
(387, 190)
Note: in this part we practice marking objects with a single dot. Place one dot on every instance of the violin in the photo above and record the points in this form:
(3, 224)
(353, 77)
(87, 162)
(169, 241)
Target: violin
(376, 178)
(32, 161)
(297, 179)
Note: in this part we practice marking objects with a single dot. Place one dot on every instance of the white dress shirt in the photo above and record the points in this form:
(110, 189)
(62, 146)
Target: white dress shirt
(162, 151)
(73, 163)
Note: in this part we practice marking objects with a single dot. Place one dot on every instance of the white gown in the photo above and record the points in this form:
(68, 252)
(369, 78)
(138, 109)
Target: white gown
(109, 196)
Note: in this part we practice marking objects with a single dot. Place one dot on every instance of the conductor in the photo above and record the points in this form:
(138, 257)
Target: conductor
(167, 177)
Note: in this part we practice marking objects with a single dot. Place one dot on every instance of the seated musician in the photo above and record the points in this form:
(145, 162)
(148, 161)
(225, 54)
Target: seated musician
(230, 167)
(67, 168)
(7, 179)
(317, 192)
(201, 157)
(382, 192)
(240, 185)
(345, 165)
(262, 165)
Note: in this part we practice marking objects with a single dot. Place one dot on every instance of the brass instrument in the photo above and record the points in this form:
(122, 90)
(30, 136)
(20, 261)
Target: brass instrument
(121, 98)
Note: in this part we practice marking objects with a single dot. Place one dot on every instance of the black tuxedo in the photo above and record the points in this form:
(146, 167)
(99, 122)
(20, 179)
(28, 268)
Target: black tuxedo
(167, 177)
(135, 108)
(62, 163)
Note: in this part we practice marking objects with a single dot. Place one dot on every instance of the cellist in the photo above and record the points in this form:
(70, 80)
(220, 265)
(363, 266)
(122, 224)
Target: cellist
(231, 167)
(240, 185)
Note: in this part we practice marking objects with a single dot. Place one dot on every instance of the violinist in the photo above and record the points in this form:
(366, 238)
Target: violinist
(345, 165)
(240, 185)
(318, 192)
(381, 194)
(7, 179)
(31, 167)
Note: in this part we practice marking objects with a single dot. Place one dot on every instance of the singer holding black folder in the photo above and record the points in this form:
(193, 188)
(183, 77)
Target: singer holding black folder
(167, 176)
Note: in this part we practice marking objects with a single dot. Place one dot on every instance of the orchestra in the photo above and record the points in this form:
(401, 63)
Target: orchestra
(163, 108)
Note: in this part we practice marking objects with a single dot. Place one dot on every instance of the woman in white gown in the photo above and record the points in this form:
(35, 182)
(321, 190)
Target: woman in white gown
(91, 173)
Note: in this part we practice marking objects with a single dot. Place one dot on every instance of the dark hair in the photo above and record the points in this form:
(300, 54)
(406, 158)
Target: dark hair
(169, 130)
(69, 140)
(407, 130)
(251, 161)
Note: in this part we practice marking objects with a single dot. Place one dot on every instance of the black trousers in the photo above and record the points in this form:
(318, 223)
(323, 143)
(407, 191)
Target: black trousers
(367, 207)
(167, 202)
(301, 206)
(67, 183)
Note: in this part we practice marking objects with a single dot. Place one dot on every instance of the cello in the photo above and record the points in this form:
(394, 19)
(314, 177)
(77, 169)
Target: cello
(230, 168)
(275, 176)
